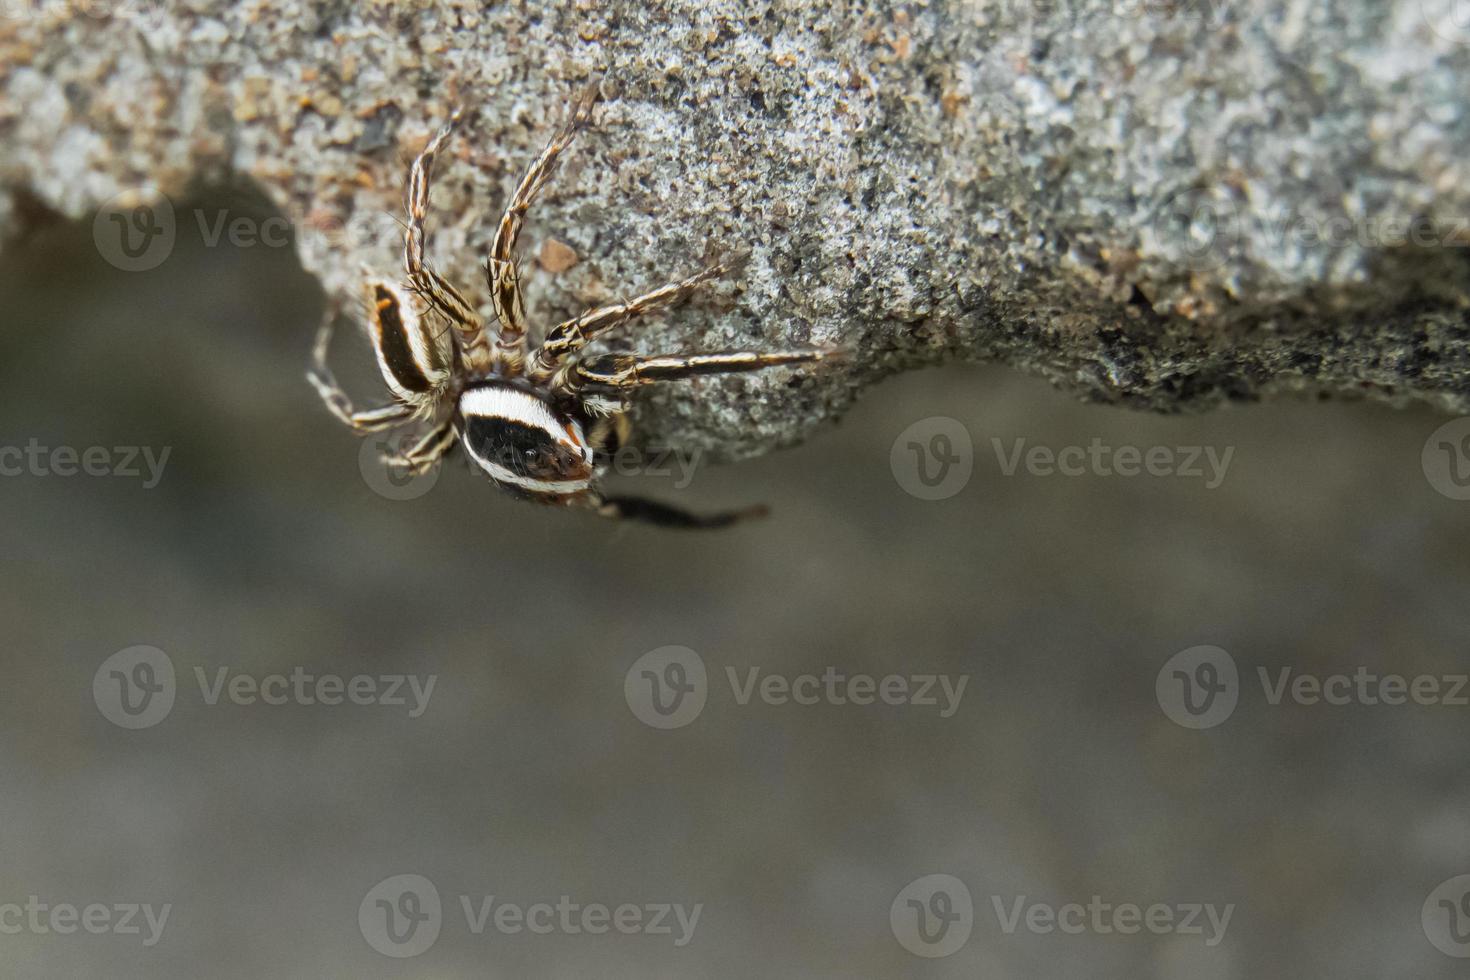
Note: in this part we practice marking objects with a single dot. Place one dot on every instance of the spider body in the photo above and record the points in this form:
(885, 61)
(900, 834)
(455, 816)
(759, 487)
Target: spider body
(543, 421)
(525, 443)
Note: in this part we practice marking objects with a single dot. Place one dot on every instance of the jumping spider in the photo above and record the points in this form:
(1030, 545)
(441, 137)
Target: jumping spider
(543, 422)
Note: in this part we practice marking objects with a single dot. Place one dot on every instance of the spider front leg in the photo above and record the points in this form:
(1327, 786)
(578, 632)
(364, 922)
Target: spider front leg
(426, 282)
(500, 267)
(331, 393)
(623, 371)
(572, 335)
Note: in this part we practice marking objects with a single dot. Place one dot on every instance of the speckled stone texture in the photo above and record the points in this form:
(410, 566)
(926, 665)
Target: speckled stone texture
(1157, 204)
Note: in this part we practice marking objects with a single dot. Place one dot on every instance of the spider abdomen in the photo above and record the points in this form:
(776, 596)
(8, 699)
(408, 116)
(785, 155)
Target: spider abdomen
(416, 360)
(523, 442)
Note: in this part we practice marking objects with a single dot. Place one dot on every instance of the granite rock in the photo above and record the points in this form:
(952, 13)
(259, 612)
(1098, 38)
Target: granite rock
(1154, 203)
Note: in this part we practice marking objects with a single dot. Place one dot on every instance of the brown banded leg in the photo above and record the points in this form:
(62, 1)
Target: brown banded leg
(321, 378)
(632, 370)
(571, 336)
(430, 448)
(500, 267)
(426, 282)
(665, 515)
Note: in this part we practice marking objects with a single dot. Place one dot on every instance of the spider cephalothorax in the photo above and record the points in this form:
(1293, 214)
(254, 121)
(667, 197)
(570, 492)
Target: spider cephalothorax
(540, 421)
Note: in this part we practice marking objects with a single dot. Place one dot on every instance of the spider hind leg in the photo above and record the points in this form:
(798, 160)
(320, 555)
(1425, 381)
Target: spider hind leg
(666, 515)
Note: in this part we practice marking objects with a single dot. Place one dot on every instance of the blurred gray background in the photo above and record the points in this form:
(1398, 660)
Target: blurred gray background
(1060, 777)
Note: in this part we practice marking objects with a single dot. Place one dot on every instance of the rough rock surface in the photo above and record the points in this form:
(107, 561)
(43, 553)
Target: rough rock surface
(1154, 203)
